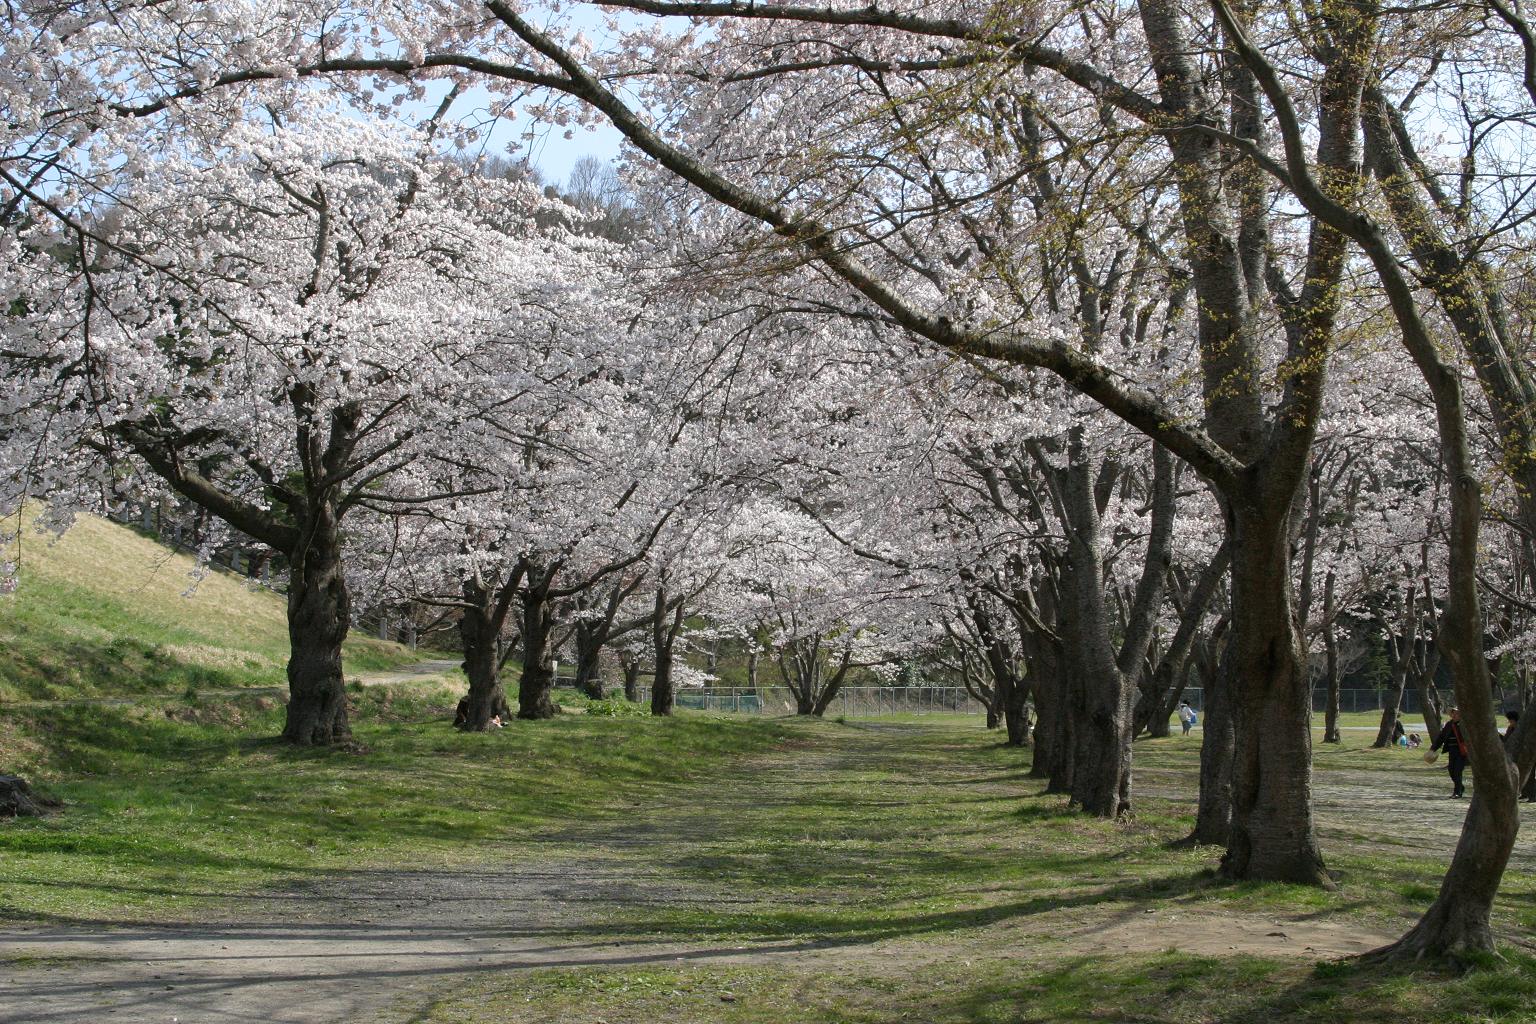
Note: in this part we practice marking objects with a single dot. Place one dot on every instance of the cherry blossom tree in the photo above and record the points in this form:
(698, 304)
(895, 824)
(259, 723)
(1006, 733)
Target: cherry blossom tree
(275, 328)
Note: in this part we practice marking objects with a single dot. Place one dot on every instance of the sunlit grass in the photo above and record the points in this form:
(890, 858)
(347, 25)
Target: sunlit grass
(105, 611)
(198, 804)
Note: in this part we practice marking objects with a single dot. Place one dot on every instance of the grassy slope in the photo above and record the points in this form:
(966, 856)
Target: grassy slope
(106, 611)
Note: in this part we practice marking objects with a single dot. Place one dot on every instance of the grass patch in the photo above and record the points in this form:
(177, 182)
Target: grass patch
(1164, 988)
(105, 611)
(178, 805)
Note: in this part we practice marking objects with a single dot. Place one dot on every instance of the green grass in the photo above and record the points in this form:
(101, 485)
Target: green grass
(909, 864)
(104, 611)
(916, 873)
(177, 804)
(912, 872)
(1161, 988)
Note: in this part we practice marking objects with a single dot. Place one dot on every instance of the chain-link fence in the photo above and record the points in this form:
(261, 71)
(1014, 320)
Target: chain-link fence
(1350, 701)
(873, 701)
(851, 701)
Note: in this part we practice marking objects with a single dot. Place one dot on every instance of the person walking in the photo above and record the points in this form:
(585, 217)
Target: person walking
(1187, 716)
(1528, 793)
(1453, 741)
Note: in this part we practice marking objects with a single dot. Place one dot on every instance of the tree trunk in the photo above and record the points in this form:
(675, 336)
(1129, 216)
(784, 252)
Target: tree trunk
(1045, 727)
(1459, 922)
(19, 800)
(482, 660)
(1331, 653)
(1429, 694)
(1158, 724)
(1052, 760)
(805, 702)
(1099, 695)
(1397, 648)
(1015, 706)
(589, 677)
(631, 678)
(319, 615)
(1272, 837)
(664, 630)
(1213, 812)
(534, 689)
(663, 699)
(830, 691)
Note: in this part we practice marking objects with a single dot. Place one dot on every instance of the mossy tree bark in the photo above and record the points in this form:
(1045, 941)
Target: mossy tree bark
(482, 617)
(319, 616)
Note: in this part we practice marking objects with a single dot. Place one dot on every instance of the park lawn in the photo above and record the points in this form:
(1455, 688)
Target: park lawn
(106, 611)
(171, 806)
(921, 876)
(1157, 988)
(952, 835)
(912, 870)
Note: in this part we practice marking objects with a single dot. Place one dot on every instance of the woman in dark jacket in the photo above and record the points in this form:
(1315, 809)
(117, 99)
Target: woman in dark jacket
(1528, 794)
(1454, 742)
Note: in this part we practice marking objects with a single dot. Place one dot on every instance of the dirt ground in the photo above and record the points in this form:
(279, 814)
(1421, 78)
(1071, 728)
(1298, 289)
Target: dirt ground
(381, 946)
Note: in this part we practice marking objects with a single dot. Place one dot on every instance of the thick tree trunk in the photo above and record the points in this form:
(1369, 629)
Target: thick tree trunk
(20, 800)
(1100, 696)
(664, 630)
(1053, 733)
(319, 615)
(1009, 694)
(482, 660)
(1158, 726)
(535, 688)
(1045, 687)
(1015, 706)
(663, 698)
(1458, 923)
(805, 702)
(589, 677)
(1272, 837)
(1063, 761)
(830, 691)
(1213, 812)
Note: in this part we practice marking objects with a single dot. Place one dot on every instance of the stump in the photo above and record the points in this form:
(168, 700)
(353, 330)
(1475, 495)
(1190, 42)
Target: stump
(19, 800)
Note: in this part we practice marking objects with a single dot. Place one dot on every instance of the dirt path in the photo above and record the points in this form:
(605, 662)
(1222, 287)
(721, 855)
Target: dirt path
(416, 673)
(383, 946)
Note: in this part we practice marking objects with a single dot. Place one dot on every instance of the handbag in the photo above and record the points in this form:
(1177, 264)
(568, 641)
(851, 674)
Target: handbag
(1431, 756)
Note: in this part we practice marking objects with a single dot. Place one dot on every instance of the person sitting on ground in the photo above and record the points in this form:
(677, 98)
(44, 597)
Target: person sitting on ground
(1414, 743)
(1187, 716)
(1399, 736)
(1453, 741)
(461, 713)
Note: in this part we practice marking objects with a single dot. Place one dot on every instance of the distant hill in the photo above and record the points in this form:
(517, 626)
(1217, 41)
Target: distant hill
(106, 610)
